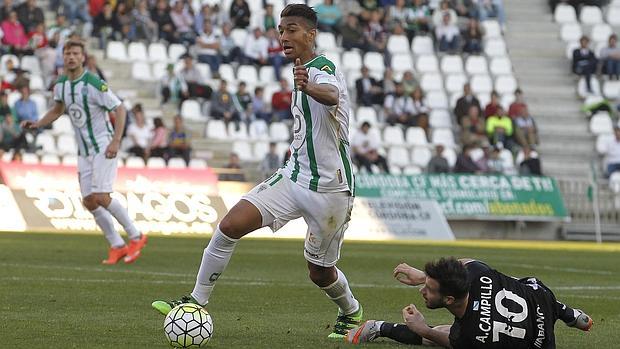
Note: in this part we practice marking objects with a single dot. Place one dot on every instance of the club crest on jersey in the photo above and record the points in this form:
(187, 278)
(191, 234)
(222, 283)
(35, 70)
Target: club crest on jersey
(77, 115)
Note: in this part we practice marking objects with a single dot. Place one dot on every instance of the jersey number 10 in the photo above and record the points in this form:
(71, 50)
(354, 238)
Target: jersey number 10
(508, 329)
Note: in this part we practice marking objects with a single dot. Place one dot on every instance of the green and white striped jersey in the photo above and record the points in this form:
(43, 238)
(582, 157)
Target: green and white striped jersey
(87, 101)
(320, 155)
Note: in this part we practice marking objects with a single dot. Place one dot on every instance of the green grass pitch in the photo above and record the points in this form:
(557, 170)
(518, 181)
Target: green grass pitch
(55, 294)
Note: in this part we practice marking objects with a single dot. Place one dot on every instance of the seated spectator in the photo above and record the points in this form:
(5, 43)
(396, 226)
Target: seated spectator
(243, 102)
(375, 33)
(158, 147)
(516, 108)
(138, 133)
(255, 49)
(125, 19)
(368, 90)
(15, 35)
(207, 48)
(438, 163)
(5, 109)
(492, 9)
(464, 103)
(183, 22)
(328, 16)
(409, 82)
(530, 166)
(274, 52)
(5, 9)
(196, 84)
(491, 108)
(233, 170)
(473, 127)
(444, 8)
(106, 26)
(610, 57)
(584, 61)
(269, 19)
(77, 11)
(352, 34)
(612, 153)
(365, 149)
(240, 14)
(500, 129)
(421, 18)
(165, 26)
(260, 109)
(143, 26)
(447, 35)
(525, 129)
(173, 86)
(26, 108)
(495, 165)
(229, 51)
(421, 111)
(179, 144)
(271, 162)
(398, 108)
(472, 37)
(464, 162)
(92, 67)
(13, 136)
(37, 38)
(399, 14)
(281, 102)
(222, 105)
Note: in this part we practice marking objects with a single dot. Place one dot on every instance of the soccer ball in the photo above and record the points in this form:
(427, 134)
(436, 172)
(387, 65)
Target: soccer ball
(188, 326)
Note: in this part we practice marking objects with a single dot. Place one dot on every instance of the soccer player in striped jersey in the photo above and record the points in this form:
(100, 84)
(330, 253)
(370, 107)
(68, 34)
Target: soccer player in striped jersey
(316, 183)
(88, 100)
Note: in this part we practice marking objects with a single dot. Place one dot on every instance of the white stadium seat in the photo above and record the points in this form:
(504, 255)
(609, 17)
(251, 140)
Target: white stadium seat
(227, 73)
(156, 163)
(216, 129)
(244, 150)
(398, 44)
(62, 125)
(175, 51)
(613, 16)
(500, 66)
(443, 136)
(158, 52)
(590, 15)
(582, 90)
(495, 48)
(505, 84)
(427, 64)
(570, 48)
(248, 74)
(492, 29)
(334, 56)
(31, 64)
(398, 156)
(410, 170)
(190, 110)
(600, 33)
(368, 114)
(141, 71)
(279, 132)
(13, 97)
(416, 136)
(476, 65)
(431, 82)
(420, 156)
(69, 160)
(352, 61)
(40, 101)
(158, 70)
(37, 83)
(176, 163)
(611, 89)
(259, 130)
(481, 84)
(452, 64)
(450, 155)
(454, 82)
(260, 150)
(440, 118)
(395, 170)
(134, 162)
(238, 132)
(436, 100)
(30, 159)
(326, 41)
(116, 50)
(602, 140)
(565, 14)
(508, 162)
(393, 135)
(266, 75)
(476, 154)
(47, 143)
(50, 159)
(422, 45)
(401, 62)
(5, 58)
(239, 35)
(66, 145)
(136, 51)
(571, 32)
(198, 164)
(601, 123)
(374, 61)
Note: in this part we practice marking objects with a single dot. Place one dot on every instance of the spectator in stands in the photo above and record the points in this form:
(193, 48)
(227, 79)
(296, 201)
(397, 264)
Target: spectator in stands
(183, 22)
(376, 34)
(525, 129)
(464, 162)
(492, 8)
(165, 26)
(491, 108)
(234, 173)
(612, 152)
(352, 34)
(106, 26)
(584, 61)
(29, 14)
(37, 38)
(464, 103)
(5, 109)
(271, 162)
(409, 82)
(260, 109)
(158, 146)
(444, 8)
(77, 10)
(473, 127)
(255, 49)
(269, 19)
(438, 163)
(123, 13)
(222, 105)
(398, 107)
(530, 166)
(243, 102)
(173, 85)
(421, 18)
(610, 57)
(399, 14)
(388, 85)
(138, 133)
(421, 110)
(143, 28)
(365, 149)
(516, 108)
(328, 16)
(229, 51)
(240, 14)
(14, 35)
(448, 35)
(368, 90)
(274, 52)
(495, 165)
(26, 108)
(91, 66)
(207, 48)
(281, 102)
(500, 129)
(179, 141)
(13, 136)
(196, 84)
(5, 9)
(472, 37)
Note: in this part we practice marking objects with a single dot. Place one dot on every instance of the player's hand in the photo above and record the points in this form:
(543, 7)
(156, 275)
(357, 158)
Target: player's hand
(409, 275)
(112, 150)
(300, 74)
(29, 125)
(414, 319)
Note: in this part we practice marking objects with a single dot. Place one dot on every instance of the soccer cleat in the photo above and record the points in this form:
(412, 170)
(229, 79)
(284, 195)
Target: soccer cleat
(115, 255)
(346, 322)
(135, 248)
(367, 332)
(164, 307)
(583, 321)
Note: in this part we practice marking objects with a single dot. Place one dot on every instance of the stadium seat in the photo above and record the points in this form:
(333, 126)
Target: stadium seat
(495, 48)
(393, 135)
(156, 163)
(30, 159)
(451, 64)
(216, 129)
(62, 125)
(454, 97)
(436, 100)
(259, 130)
(239, 36)
(483, 98)
(198, 164)
(507, 99)
(240, 133)
(520, 156)
(116, 50)
(422, 45)
(31, 64)
(476, 65)
(326, 41)
(398, 156)
(157, 52)
(176, 163)
(374, 62)
(158, 70)
(492, 29)
(4, 58)
(427, 64)
(40, 101)
(565, 14)
(440, 118)
(282, 147)
(190, 110)
(368, 114)
(401, 62)
(613, 16)
(570, 47)
(136, 51)
(395, 170)
(65, 144)
(420, 156)
(590, 15)
(134, 162)
(334, 56)
(69, 160)
(279, 132)
(443, 136)
(505, 84)
(611, 89)
(248, 74)
(13, 97)
(431, 82)
(37, 83)
(244, 150)
(500, 66)
(476, 154)
(481, 84)
(507, 162)
(50, 159)
(582, 90)
(601, 142)
(47, 143)
(141, 71)
(411, 170)
(601, 123)
(416, 136)
(227, 73)
(600, 33)
(175, 51)
(398, 44)
(266, 75)
(571, 32)
(454, 82)
(352, 61)
(260, 150)
(614, 182)
(450, 155)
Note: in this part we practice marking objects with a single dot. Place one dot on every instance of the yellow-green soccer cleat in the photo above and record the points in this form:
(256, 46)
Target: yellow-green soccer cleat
(344, 323)
(164, 307)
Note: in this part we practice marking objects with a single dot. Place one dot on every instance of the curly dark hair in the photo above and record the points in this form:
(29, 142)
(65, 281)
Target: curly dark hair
(451, 275)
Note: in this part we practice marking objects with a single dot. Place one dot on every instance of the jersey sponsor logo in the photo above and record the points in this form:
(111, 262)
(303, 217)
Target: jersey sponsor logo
(540, 324)
(327, 69)
(77, 115)
(104, 88)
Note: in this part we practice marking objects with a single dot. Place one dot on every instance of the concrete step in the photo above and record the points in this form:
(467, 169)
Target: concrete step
(555, 109)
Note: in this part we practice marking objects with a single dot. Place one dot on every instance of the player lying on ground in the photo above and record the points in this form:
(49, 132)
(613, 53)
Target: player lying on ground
(491, 310)
(316, 183)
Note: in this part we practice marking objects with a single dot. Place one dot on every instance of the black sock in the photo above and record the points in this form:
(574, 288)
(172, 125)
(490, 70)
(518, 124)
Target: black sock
(400, 333)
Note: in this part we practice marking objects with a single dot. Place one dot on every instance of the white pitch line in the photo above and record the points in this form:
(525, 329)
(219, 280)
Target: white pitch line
(570, 270)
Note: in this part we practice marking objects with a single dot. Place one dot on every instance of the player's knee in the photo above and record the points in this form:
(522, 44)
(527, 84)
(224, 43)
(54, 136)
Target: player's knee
(228, 227)
(90, 203)
(322, 276)
(103, 199)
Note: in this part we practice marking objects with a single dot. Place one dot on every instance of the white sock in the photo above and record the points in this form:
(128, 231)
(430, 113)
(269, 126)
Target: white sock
(214, 260)
(341, 294)
(120, 213)
(104, 220)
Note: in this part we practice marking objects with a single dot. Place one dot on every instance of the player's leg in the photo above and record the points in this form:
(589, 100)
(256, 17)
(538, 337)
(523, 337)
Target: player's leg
(373, 329)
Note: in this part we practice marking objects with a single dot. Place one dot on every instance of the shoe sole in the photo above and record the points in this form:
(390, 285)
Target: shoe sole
(358, 333)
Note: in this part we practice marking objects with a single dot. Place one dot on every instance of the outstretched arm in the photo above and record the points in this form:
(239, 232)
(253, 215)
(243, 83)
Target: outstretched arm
(47, 119)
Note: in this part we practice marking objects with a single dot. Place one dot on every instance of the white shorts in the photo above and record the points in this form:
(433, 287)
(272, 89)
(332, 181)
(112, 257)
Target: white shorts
(327, 215)
(96, 174)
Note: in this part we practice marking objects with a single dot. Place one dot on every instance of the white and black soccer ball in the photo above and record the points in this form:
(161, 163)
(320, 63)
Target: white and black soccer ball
(188, 326)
